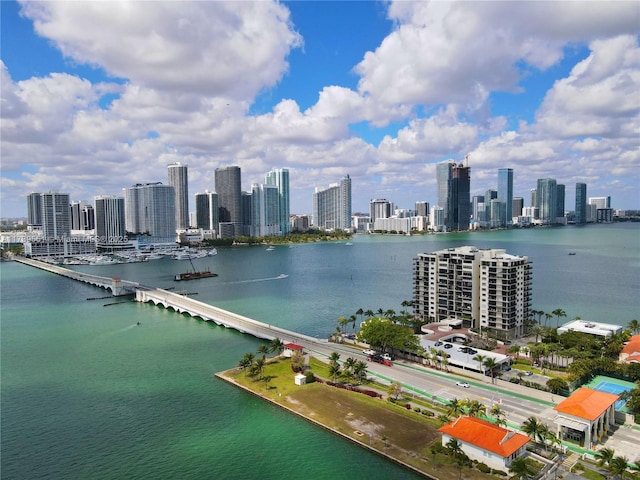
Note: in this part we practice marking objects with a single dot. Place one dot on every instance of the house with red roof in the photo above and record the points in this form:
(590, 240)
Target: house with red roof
(586, 416)
(485, 442)
(289, 348)
(631, 351)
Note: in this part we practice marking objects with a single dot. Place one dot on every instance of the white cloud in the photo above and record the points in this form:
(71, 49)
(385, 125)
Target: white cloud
(200, 47)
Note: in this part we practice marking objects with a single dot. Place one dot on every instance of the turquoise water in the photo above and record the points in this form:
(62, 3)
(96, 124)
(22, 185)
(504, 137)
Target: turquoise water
(86, 393)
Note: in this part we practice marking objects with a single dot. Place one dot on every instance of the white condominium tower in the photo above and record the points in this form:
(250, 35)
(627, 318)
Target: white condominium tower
(279, 177)
(56, 215)
(332, 207)
(110, 222)
(150, 210)
(178, 179)
(485, 288)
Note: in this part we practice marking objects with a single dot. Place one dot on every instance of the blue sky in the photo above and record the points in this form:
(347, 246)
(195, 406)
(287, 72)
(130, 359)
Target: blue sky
(97, 96)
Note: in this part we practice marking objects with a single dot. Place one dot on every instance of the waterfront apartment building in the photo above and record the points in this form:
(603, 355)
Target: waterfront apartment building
(229, 189)
(111, 231)
(505, 195)
(207, 211)
(454, 183)
(581, 203)
(279, 178)
(34, 211)
(379, 208)
(422, 209)
(82, 216)
(178, 179)
(150, 210)
(332, 207)
(546, 200)
(56, 215)
(265, 210)
(485, 288)
(560, 203)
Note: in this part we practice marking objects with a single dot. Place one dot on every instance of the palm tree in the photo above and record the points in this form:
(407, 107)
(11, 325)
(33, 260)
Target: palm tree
(618, 465)
(634, 326)
(334, 370)
(453, 445)
(276, 345)
(522, 469)
(604, 456)
(547, 317)
(532, 427)
(360, 312)
(497, 413)
(558, 312)
(259, 365)
(334, 357)
(263, 350)
(475, 408)
(491, 364)
(360, 371)
(537, 330)
(455, 408)
(353, 319)
(368, 313)
(349, 365)
(245, 362)
(480, 358)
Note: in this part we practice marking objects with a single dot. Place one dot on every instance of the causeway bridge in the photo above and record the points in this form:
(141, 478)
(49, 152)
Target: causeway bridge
(178, 302)
(117, 286)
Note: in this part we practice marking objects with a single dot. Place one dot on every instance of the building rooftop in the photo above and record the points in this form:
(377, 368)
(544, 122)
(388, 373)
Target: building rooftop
(631, 351)
(485, 435)
(587, 403)
(593, 328)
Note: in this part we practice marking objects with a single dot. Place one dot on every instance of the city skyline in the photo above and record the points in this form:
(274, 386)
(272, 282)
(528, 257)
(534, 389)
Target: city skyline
(381, 98)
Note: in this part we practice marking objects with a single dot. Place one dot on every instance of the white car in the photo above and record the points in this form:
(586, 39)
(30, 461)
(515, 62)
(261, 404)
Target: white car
(369, 352)
(386, 356)
(463, 384)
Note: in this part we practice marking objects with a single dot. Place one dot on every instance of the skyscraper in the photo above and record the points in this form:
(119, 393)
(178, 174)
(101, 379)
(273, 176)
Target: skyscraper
(229, 190)
(379, 208)
(444, 177)
(265, 210)
(517, 206)
(581, 203)
(422, 209)
(559, 200)
(150, 210)
(505, 193)
(279, 178)
(178, 179)
(461, 187)
(34, 210)
(111, 229)
(207, 211)
(332, 207)
(56, 215)
(546, 200)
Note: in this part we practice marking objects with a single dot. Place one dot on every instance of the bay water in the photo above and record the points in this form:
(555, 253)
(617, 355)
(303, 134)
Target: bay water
(89, 393)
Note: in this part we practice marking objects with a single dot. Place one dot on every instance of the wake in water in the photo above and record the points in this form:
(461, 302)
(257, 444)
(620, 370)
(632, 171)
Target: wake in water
(279, 277)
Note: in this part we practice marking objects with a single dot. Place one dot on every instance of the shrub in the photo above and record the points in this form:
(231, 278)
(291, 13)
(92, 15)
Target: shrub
(416, 409)
(310, 377)
(407, 406)
(484, 468)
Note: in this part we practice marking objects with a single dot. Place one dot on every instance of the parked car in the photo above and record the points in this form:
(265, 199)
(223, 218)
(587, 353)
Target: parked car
(528, 373)
(448, 345)
(463, 384)
(463, 349)
(437, 344)
(386, 356)
(380, 359)
(472, 351)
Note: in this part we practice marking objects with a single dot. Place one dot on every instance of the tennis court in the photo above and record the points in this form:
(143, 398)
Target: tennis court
(611, 385)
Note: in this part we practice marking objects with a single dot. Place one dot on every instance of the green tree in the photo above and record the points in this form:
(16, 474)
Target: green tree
(382, 334)
(558, 312)
(334, 371)
(297, 361)
(618, 465)
(258, 366)
(455, 408)
(522, 469)
(263, 350)
(604, 456)
(333, 358)
(557, 385)
(634, 326)
(276, 346)
(498, 414)
(246, 362)
(533, 427)
(480, 359)
(360, 371)
(475, 408)
(395, 390)
(349, 365)
(490, 364)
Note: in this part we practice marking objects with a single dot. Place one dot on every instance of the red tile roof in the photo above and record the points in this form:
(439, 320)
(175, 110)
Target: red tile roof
(631, 351)
(485, 435)
(293, 346)
(587, 403)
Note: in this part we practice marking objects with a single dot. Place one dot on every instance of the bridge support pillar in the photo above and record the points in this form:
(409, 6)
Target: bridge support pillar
(116, 287)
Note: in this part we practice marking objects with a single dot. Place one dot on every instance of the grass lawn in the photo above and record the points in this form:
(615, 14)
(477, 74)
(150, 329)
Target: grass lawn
(389, 429)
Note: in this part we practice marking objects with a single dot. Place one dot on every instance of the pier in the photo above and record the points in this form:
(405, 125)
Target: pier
(181, 303)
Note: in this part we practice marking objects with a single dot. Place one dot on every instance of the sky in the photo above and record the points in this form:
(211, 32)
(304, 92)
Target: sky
(98, 96)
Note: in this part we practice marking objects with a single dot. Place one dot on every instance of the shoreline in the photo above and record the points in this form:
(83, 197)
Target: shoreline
(224, 377)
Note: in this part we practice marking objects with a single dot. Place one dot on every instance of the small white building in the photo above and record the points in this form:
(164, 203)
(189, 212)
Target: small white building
(485, 442)
(289, 348)
(592, 328)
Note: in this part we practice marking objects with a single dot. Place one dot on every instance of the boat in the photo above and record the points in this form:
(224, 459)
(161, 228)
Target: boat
(271, 248)
(282, 275)
(572, 253)
(212, 252)
(348, 244)
(194, 275)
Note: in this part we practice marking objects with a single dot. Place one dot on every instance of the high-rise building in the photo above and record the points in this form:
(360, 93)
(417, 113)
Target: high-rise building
(454, 183)
(379, 208)
(178, 179)
(279, 178)
(229, 189)
(517, 206)
(332, 207)
(207, 211)
(56, 215)
(476, 202)
(111, 231)
(422, 209)
(581, 203)
(489, 196)
(546, 200)
(560, 200)
(34, 210)
(534, 197)
(150, 210)
(82, 216)
(484, 288)
(600, 202)
(505, 193)
(265, 210)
